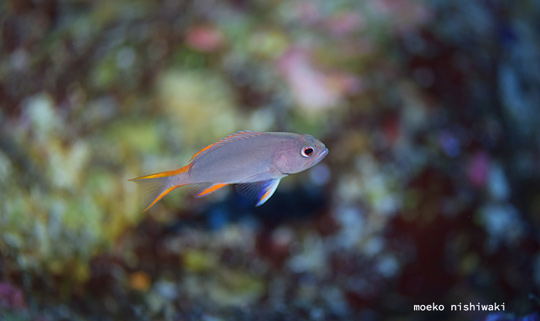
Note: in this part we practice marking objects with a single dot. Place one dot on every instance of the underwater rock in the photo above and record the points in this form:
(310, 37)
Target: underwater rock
(225, 287)
(201, 106)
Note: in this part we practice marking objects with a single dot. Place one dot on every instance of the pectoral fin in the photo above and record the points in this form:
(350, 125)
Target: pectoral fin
(262, 190)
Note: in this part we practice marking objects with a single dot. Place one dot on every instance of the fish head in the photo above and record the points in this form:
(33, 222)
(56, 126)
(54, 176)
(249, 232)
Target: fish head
(299, 154)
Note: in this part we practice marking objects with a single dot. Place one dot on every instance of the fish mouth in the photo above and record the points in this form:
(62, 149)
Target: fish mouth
(322, 155)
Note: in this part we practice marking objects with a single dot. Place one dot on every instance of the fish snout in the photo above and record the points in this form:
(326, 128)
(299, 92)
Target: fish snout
(322, 155)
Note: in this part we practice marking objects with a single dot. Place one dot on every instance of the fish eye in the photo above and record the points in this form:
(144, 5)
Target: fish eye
(307, 151)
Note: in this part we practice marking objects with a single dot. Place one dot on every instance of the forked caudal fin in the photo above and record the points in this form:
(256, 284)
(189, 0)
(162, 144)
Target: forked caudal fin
(156, 186)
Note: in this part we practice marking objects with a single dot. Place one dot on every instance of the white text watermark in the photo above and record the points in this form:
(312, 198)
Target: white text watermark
(460, 307)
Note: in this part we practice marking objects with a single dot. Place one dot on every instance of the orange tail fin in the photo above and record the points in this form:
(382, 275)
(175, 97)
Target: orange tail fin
(156, 186)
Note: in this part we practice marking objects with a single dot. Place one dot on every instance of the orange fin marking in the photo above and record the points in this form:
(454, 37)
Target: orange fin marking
(211, 189)
(219, 141)
(202, 150)
(165, 192)
(267, 193)
(166, 174)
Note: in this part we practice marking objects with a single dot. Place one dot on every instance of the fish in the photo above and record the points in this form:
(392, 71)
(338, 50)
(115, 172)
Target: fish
(254, 161)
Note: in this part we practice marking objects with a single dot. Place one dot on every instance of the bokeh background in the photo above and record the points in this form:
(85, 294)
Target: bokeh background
(430, 193)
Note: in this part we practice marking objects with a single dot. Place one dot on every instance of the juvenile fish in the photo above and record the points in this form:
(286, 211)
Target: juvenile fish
(255, 160)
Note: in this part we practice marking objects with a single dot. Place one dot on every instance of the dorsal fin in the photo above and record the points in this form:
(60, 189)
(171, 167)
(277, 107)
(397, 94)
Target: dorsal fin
(231, 138)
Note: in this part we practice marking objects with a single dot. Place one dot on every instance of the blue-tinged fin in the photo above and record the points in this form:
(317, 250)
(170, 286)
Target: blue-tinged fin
(262, 190)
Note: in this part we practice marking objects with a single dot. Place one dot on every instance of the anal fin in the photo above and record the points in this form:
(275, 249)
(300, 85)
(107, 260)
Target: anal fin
(208, 188)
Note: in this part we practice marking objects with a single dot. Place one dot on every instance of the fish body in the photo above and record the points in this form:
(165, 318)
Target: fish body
(255, 160)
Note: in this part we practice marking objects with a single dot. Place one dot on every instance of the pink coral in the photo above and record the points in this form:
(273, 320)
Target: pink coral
(11, 297)
(205, 38)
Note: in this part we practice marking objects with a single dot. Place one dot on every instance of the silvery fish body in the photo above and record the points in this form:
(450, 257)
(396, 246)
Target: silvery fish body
(257, 160)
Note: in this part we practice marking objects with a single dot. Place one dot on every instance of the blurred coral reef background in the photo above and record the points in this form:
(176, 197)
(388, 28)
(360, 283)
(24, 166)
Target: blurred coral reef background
(430, 193)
